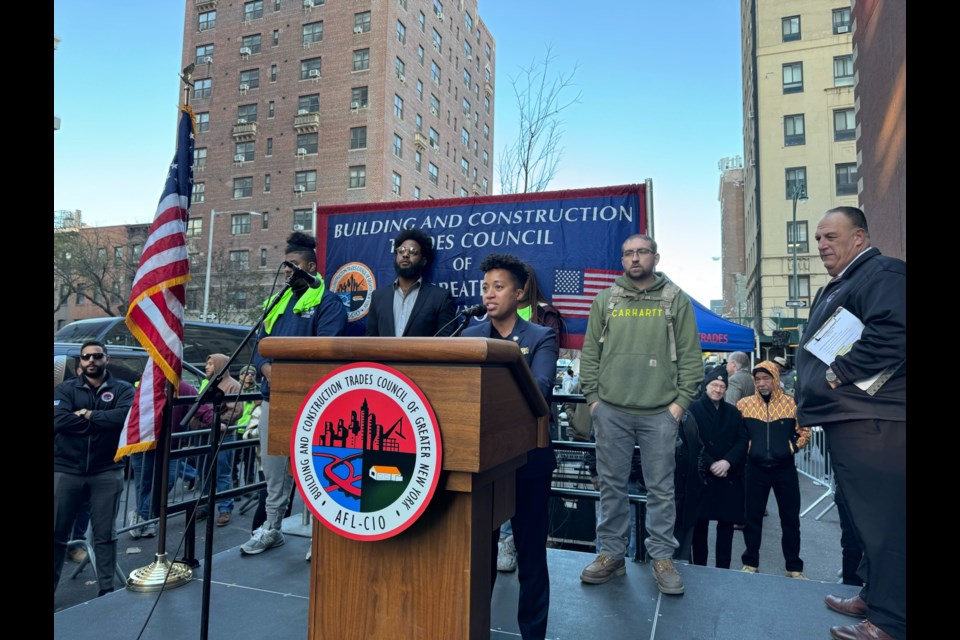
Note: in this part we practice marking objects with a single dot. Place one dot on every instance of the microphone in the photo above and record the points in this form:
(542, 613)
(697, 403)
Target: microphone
(299, 274)
(475, 311)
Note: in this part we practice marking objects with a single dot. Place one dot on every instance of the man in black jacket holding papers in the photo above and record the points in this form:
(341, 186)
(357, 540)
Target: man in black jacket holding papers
(859, 398)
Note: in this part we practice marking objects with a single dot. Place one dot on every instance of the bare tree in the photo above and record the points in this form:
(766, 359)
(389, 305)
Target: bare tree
(97, 264)
(236, 288)
(530, 162)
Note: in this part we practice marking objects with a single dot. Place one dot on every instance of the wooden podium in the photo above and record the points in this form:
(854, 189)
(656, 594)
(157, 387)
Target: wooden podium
(433, 580)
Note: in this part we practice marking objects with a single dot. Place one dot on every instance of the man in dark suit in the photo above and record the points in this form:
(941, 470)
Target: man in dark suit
(503, 282)
(411, 306)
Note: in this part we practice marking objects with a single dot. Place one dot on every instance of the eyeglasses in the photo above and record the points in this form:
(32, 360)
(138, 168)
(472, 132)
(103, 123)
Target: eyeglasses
(408, 251)
(629, 253)
(95, 356)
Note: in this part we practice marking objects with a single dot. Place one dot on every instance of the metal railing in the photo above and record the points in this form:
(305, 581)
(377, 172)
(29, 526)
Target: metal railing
(813, 461)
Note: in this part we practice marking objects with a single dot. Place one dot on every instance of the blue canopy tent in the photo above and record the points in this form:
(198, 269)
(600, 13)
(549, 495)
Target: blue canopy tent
(719, 334)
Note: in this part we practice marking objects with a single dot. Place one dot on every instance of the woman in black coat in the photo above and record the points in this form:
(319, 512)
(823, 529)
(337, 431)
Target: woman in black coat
(724, 437)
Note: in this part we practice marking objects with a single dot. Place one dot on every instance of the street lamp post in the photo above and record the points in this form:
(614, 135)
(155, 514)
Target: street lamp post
(799, 193)
(206, 283)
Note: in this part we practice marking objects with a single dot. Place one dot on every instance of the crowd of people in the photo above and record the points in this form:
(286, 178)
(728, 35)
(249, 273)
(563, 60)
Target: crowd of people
(642, 377)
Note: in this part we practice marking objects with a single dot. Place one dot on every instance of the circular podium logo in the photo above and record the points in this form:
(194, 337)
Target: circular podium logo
(366, 451)
(354, 283)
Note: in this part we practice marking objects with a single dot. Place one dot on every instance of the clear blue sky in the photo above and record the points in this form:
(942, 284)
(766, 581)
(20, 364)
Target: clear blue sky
(661, 99)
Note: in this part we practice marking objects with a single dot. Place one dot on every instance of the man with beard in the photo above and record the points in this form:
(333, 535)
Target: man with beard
(88, 415)
(411, 307)
(303, 311)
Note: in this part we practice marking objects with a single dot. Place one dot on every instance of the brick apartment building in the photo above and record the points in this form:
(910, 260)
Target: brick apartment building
(308, 102)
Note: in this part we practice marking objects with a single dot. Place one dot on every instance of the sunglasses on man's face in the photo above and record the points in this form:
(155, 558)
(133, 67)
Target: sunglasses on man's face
(95, 356)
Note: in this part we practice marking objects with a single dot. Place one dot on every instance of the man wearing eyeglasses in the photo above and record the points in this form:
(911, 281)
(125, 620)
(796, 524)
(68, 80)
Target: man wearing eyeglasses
(88, 415)
(411, 306)
(639, 371)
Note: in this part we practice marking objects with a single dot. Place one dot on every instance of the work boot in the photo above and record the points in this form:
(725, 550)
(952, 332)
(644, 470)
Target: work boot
(669, 581)
(602, 569)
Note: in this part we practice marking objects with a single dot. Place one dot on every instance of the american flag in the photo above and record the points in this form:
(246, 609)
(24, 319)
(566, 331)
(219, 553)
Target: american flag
(155, 313)
(575, 289)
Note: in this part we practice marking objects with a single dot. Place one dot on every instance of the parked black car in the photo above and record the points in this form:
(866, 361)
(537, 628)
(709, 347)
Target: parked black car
(126, 363)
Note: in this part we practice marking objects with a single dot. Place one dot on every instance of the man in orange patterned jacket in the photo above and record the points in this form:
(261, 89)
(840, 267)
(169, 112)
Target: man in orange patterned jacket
(775, 436)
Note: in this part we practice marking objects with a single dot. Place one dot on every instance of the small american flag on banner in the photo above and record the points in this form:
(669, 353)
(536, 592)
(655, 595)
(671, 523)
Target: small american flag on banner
(575, 289)
(155, 313)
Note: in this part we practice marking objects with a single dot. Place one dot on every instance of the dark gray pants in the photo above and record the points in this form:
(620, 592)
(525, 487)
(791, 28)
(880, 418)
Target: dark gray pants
(103, 491)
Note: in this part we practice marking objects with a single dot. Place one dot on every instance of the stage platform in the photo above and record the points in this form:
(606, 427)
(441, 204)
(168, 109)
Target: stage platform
(265, 597)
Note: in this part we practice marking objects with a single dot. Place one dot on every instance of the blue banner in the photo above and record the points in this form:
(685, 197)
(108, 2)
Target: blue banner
(571, 239)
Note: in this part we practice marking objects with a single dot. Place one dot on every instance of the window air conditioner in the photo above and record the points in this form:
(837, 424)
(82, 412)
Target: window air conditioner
(299, 227)
(396, 189)
(301, 151)
(401, 77)
(308, 4)
(206, 59)
(239, 157)
(241, 121)
(244, 87)
(314, 73)
(299, 188)
(245, 51)
(436, 147)
(440, 16)
(358, 29)
(843, 28)
(302, 112)
(434, 111)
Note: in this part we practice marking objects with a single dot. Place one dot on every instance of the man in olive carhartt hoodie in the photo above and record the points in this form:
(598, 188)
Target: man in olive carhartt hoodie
(638, 381)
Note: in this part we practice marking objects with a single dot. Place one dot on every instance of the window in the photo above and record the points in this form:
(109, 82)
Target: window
(466, 79)
(265, 218)
(400, 67)
(358, 138)
(793, 77)
(464, 167)
(361, 59)
(204, 54)
(397, 146)
(243, 152)
(844, 125)
(796, 179)
(486, 131)
(240, 260)
(467, 50)
(207, 20)
(486, 186)
(419, 122)
(312, 32)
(434, 105)
(199, 192)
(361, 22)
(276, 37)
(276, 5)
(466, 107)
(310, 68)
(435, 72)
(434, 138)
(266, 183)
(358, 177)
(271, 109)
(253, 10)
(799, 290)
(486, 75)
(468, 22)
(194, 226)
(793, 130)
(416, 193)
(847, 179)
(420, 55)
(250, 78)
(463, 192)
(395, 182)
(247, 113)
(203, 122)
(421, 20)
(242, 188)
(202, 88)
(486, 50)
(358, 98)
(263, 258)
(797, 243)
(417, 160)
(252, 43)
(486, 104)
(403, 3)
(843, 71)
(790, 27)
(269, 151)
(420, 90)
(309, 103)
(273, 73)
(486, 158)
(465, 137)
(306, 179)
(437, 41)
(401, 33)
(434, 173)
(841, 20)
(239, 224)
(303, 219)
(199, 158)
(398, 106)
(117, 255)
(307, 141)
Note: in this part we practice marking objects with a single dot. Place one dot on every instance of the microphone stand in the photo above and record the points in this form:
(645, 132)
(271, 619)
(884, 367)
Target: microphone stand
(213, 394)
(460, 328)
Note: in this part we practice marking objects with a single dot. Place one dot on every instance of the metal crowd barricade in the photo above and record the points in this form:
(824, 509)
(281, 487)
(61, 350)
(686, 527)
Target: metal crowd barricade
(814, 462)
